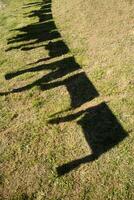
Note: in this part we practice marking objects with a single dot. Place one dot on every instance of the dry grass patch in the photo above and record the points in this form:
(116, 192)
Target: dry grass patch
(69, 69)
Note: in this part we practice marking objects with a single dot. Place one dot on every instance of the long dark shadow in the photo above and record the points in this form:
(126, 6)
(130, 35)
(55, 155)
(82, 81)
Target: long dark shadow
(100, 127)
(79, 87)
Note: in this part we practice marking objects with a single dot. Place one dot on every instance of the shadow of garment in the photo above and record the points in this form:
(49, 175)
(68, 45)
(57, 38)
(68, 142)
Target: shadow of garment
(66, 168)
(101, 129)
(79, 87)
(61, 67)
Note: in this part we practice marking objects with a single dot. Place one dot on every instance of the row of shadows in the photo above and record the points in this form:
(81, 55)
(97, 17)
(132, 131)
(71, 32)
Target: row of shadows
(100, 127)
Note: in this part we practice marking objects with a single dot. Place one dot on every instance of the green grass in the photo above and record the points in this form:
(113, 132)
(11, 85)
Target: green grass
(100, 38)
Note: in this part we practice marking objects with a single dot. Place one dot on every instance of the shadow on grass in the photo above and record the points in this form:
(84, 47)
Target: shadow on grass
(79, 87)
(101, 130)
(100, 127)
(24, 196)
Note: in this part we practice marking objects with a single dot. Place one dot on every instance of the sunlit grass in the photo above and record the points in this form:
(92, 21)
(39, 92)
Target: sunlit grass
(100, 37)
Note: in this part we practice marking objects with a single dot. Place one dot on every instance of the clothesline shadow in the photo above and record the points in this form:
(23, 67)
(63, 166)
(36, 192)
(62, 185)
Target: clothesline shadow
(100, 127)
(61, 72)
(36, 34)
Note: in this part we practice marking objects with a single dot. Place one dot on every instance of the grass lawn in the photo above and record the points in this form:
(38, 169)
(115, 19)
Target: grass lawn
(66, 99)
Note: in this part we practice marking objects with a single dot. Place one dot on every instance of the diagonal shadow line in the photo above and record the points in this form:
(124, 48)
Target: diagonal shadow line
(61, 66)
